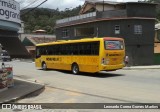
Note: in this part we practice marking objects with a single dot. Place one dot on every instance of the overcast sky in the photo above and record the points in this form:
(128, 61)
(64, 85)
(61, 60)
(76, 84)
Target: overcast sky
(61, 4)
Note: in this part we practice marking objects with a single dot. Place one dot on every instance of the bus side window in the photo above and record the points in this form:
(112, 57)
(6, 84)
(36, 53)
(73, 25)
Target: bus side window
(38, 52)
(63, 49)
(59, 48)
(97, 48)
(92, 49)
(67, 49)
(71, 49)
(50, 50)
(53, 49)
(44, 51)
(88, 49)
(56, 50)
(75, 49)
(81, 49)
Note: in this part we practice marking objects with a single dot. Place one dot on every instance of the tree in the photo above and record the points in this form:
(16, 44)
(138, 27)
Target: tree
(153, 1)
(44, 18)
(157, 8)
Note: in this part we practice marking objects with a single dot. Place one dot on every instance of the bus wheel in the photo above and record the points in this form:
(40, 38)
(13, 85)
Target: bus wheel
(44, 66)
(75, 69)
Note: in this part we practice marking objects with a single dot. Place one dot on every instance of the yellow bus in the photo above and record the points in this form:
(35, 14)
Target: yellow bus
(84, 55)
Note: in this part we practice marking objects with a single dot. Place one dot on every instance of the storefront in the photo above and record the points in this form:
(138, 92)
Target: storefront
(10, 24)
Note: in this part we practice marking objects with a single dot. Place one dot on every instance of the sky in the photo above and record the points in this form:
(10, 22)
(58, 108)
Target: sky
(61, 4)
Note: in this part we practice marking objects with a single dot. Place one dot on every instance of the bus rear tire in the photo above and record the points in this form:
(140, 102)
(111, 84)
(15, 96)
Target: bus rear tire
(75, 69)
(44, 66)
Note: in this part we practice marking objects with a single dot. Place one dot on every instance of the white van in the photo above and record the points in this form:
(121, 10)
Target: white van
(5, 56)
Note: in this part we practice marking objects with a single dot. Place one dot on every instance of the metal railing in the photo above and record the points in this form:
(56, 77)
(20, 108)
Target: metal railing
(101, 14)
(74, 18)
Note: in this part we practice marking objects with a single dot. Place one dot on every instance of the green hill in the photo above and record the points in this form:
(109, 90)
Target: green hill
(44, 18)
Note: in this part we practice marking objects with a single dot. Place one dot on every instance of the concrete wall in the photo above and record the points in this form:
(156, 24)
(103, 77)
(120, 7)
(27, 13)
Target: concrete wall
(141, 10)
(99, 7)
(22, 36)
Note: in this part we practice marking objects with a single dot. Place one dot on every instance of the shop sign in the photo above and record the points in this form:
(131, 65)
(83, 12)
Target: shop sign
(10, 11)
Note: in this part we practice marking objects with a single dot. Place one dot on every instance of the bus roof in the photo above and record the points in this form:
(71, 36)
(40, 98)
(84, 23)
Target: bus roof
(79, 40)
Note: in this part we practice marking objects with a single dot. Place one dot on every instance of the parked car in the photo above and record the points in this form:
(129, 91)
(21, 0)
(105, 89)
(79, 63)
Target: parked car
(5, 56)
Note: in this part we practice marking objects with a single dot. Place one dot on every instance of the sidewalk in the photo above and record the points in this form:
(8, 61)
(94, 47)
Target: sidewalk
(142, 67)
(20, 90)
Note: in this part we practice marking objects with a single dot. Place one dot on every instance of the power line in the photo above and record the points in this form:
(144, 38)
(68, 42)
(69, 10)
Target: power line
(29, 4)
(21, 1)
(34, 8)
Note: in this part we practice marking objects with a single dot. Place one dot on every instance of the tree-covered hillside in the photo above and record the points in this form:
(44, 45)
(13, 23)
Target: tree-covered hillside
(43, 18)
(157, 8)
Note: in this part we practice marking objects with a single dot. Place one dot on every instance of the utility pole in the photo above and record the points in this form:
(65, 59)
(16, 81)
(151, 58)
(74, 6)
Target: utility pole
(44, 39)
(103, 5)
(97, 32)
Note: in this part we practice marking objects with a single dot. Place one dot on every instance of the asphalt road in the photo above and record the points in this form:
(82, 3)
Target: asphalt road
(127, 86)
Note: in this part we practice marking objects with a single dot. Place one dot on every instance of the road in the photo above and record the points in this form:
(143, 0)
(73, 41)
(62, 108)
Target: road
(121, 86)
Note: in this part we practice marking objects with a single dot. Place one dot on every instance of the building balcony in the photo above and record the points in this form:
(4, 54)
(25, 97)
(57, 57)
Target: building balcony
(93, 16)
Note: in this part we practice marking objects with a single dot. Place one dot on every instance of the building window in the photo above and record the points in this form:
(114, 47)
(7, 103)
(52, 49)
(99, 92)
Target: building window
(65, 33)
(117, 29)
(137, 29)
(84, 32)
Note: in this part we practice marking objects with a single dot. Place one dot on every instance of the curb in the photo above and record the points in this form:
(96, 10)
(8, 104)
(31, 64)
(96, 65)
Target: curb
(24, 95)
(23, 60)
(139, 68)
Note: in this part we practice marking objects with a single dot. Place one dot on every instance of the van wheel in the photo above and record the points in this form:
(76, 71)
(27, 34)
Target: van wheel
(75, 69)
(44, 66)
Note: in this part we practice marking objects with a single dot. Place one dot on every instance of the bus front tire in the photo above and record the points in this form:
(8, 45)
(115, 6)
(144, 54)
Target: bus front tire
(75, 69)
(44, 66)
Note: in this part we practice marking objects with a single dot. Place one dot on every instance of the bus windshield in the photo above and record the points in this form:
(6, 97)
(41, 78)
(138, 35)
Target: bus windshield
(114, 45)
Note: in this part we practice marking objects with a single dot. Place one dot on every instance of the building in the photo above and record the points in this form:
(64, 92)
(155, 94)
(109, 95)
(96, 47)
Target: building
(30, 41)
(132, 21)
(9, 26)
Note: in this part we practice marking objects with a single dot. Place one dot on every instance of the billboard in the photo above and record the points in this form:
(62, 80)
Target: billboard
(10, 11)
